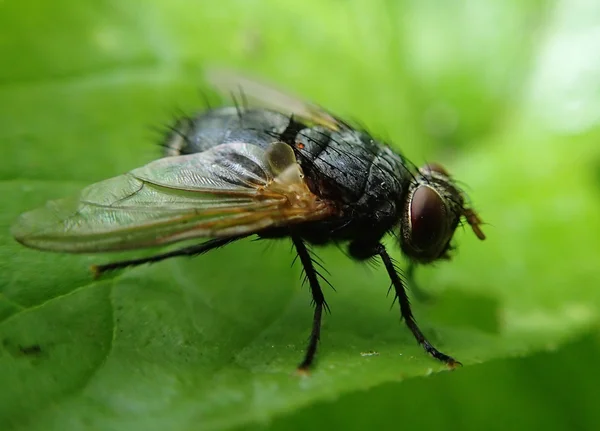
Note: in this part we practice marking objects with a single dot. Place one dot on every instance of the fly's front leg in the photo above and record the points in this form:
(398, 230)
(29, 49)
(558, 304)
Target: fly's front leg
(364, 251)
(418, 292)
(318, 300)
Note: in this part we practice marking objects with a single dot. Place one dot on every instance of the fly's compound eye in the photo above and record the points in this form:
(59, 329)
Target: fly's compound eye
(428, 221)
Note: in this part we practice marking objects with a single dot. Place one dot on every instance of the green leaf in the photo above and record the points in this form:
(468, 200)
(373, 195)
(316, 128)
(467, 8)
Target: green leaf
(212, 342)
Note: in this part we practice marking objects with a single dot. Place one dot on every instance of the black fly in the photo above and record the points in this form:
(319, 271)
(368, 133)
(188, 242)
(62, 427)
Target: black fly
(282, 168)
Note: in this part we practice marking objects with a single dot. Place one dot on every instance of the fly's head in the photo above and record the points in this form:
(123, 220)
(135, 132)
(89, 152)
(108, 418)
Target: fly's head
(432, 212)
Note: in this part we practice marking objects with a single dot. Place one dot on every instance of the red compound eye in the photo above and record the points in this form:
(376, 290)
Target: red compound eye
(428, 220)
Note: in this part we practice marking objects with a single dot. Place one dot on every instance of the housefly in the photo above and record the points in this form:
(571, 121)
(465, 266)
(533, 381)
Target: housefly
(280, 167)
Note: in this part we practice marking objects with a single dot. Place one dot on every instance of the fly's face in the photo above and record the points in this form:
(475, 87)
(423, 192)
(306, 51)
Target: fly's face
(433, 210)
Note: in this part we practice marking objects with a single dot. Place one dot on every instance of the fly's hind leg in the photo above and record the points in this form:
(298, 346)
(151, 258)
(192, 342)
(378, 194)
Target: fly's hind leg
(193, 250)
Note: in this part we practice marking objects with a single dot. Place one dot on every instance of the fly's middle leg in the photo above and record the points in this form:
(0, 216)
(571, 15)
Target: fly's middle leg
(318, 300)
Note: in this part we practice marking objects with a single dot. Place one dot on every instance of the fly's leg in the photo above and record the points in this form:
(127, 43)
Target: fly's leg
(406, 312)
(419, 294)
(193, 250)
(364, 251)
(318, 300)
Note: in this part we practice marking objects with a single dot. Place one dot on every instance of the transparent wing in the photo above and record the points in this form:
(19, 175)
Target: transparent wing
(230, 82)
(231, 189)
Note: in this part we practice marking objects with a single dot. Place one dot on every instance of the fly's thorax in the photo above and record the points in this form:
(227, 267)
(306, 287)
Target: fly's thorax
(432, 212)
(328, 163)
(345, 165)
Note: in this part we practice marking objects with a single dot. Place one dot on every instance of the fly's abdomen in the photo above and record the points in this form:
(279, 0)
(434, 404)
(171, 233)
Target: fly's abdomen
(224, 125)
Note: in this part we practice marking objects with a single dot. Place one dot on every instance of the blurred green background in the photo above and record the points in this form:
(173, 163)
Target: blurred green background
(506, 94)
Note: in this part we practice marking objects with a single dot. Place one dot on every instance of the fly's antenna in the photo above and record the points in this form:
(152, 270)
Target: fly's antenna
(474, 221)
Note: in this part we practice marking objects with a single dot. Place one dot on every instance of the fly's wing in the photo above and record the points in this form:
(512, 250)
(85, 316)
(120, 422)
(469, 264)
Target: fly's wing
(231, 189)
(228, 82)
